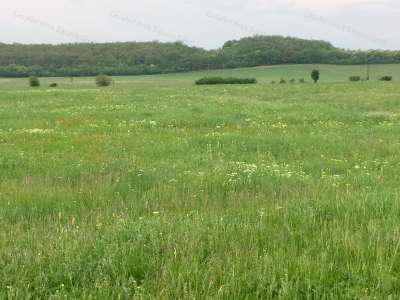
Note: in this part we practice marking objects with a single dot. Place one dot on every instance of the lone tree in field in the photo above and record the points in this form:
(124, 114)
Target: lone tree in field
(315, 75)
(103, 80)
(34, 81)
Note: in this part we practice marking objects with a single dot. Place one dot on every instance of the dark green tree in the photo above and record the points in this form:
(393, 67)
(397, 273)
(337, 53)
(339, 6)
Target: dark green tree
(315, 75)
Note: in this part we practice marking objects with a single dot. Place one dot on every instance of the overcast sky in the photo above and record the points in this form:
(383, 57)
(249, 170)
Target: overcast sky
(355, 24)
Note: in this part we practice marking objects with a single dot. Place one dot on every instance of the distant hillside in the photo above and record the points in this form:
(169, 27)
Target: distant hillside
(91, 59)
(134, 58)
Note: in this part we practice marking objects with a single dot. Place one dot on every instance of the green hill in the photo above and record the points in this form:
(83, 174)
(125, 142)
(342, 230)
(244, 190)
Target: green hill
(133, 58)
(264, 75)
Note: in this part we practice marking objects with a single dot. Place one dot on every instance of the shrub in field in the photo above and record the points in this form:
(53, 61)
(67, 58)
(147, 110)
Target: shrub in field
(292, 81)
(229, 80)
(282, 81)
(386, 78)
(355, 78)
(301, 80)
(273, 82)
(34, 81)
(315, 75)
(210, 80)
(103, 80)
(53, 84)
(232, 80)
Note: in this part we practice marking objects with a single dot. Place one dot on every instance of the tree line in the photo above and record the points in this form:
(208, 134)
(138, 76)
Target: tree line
(145, 58)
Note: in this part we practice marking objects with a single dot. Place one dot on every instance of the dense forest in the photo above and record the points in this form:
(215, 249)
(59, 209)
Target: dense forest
(136, 58)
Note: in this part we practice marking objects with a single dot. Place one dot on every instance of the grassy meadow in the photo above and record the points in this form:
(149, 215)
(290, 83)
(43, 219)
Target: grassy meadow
(155, 188)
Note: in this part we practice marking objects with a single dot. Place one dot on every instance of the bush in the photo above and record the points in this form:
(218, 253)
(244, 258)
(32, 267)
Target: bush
(355, 78)
(34, 81)
(301, 80)
(282, 81)
(53, 84)
(386, 78)
(103, 80)
(292, 81)
(210, 80)
(273, 82)
(315, 75)
(229, 80)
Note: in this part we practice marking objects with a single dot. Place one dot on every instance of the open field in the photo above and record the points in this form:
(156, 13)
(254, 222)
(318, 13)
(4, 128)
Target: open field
(329, 73)
(157, 188)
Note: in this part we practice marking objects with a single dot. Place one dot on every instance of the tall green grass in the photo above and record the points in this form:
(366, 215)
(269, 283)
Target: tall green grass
(172, 191)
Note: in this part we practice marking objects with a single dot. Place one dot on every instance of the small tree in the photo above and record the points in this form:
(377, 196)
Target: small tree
(34, 81)
(103, 80)
(315, 75)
